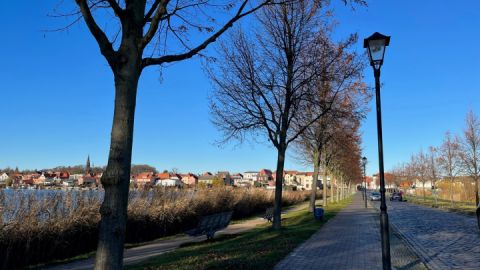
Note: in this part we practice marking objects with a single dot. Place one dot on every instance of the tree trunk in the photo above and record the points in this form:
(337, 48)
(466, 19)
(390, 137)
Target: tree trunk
(324, 191)
(331, 189)
(316, 169)
(116, 178)
(476, 191)
(277, 212)
(337, 199)
(451, 191)
(424, 196)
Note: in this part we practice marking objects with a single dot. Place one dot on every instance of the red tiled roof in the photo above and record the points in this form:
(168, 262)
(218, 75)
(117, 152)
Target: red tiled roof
(145, 175)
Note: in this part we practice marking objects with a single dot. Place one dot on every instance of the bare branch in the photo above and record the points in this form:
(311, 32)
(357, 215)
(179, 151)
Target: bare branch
(106, 47)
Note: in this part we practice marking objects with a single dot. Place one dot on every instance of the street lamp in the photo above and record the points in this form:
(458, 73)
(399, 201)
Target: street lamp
(376, 45)
(364, 164)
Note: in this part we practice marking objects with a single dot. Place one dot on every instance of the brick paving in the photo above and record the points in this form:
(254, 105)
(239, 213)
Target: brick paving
(444, 240)
(350, 240)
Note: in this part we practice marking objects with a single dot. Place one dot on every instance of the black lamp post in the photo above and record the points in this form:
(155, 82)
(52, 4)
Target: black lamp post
(364, 164)
(376, 45)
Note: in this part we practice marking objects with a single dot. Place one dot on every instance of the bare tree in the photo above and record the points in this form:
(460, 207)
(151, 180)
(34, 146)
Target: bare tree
(470, 153)
(341, 77)
(419, 165)
(136, 35)
(449, 159)
(433, 169)
(263, 85)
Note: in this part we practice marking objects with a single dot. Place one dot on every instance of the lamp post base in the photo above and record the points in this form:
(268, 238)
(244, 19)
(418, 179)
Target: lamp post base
(385, 234)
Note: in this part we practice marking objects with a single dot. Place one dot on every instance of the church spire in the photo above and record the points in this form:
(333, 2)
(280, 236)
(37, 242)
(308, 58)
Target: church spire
(87, 167)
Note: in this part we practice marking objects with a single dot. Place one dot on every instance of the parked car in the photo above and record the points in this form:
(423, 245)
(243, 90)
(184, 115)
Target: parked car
(396, 196)
(375, 196)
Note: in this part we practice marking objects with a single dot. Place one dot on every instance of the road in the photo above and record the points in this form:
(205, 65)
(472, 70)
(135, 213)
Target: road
(444, 240)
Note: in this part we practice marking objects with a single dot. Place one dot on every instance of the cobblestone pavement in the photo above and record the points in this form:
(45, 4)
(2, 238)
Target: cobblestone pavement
(350, 240)
(444, 240)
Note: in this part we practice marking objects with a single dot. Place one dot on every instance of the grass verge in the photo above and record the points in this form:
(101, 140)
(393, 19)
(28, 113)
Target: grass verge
(261, 248)
(467, 208)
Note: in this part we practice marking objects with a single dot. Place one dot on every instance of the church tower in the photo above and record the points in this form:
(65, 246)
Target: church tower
(88, 170)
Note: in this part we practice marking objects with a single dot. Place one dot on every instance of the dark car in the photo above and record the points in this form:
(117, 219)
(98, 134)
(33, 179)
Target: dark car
(396, 196)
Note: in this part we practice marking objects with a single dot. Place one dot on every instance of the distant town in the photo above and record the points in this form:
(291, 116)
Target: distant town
(147, 177)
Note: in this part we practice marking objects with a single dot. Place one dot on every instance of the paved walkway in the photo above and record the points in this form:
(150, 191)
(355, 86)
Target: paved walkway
(140, 253)
(444, 240)
(349, 241)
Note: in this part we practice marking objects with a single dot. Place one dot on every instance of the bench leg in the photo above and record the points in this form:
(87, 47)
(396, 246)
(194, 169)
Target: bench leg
(210, 235)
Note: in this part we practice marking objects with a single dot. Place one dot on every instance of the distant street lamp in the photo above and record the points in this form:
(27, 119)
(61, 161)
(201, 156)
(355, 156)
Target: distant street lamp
(364, 164)
(376, 45)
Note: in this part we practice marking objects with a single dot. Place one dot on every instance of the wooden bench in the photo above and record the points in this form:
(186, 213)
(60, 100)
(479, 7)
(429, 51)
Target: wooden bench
(269, 214)
(210, 224)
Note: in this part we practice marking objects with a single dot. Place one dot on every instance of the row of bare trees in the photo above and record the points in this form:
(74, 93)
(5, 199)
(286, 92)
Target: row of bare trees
(288, 81)
(264, 86)
(456, 156)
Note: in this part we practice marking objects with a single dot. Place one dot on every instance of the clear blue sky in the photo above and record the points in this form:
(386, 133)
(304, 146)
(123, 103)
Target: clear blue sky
(56, 96)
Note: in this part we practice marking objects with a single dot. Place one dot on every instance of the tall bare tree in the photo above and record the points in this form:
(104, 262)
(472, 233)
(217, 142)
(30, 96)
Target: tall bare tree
(264, 85)
(419, 165)
(449, 159)
(433, 170)
(470, 153)
(340, 77)
(134, 35)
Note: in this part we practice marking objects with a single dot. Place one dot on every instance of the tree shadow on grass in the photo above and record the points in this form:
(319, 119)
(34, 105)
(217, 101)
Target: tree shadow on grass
(260, 248)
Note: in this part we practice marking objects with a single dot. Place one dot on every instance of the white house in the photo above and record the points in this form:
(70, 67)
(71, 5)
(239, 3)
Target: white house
(76, 176)
(419, 184)
(290, 178)
(173, 181)
(3, 177)
(305, 180)
(240, 181)
(251, 175)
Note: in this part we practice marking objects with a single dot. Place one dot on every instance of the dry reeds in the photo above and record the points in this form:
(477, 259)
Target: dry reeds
(41, 227)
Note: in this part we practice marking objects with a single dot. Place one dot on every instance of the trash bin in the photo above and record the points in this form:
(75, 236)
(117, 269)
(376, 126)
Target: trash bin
(318, 213)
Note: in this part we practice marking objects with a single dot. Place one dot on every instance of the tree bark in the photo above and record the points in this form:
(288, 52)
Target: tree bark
(324, 196)
(342, 196)
(476, 192)
(116, 177)
(277, 212)
(451, 191)
(337, 198)
(424, 195)
(316, 169)
(331, 190)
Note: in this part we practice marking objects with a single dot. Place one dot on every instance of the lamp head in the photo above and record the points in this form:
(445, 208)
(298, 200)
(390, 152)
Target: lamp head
(376, 45)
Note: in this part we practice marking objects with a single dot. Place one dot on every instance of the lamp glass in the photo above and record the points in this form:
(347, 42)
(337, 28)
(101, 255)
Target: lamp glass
(376, 49)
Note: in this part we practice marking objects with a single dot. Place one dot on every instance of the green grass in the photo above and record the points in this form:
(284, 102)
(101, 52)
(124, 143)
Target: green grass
(260, 248)
(461, 207)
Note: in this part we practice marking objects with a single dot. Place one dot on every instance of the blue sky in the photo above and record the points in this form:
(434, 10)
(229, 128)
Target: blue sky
(56, 96)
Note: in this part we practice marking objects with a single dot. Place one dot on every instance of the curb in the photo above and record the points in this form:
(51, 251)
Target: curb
(412, 245)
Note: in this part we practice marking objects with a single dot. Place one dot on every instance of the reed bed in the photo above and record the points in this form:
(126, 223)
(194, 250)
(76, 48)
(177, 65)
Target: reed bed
(59, 225)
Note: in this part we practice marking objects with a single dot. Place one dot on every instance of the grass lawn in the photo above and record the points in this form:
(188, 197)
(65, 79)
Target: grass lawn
(461, 207)
(260, 248)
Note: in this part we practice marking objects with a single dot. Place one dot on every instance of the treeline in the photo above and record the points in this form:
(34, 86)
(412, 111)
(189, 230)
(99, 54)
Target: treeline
(79, 169)
(458, 157)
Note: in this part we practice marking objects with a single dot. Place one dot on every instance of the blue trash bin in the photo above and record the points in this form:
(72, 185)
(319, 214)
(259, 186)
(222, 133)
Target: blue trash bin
(318, 213)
